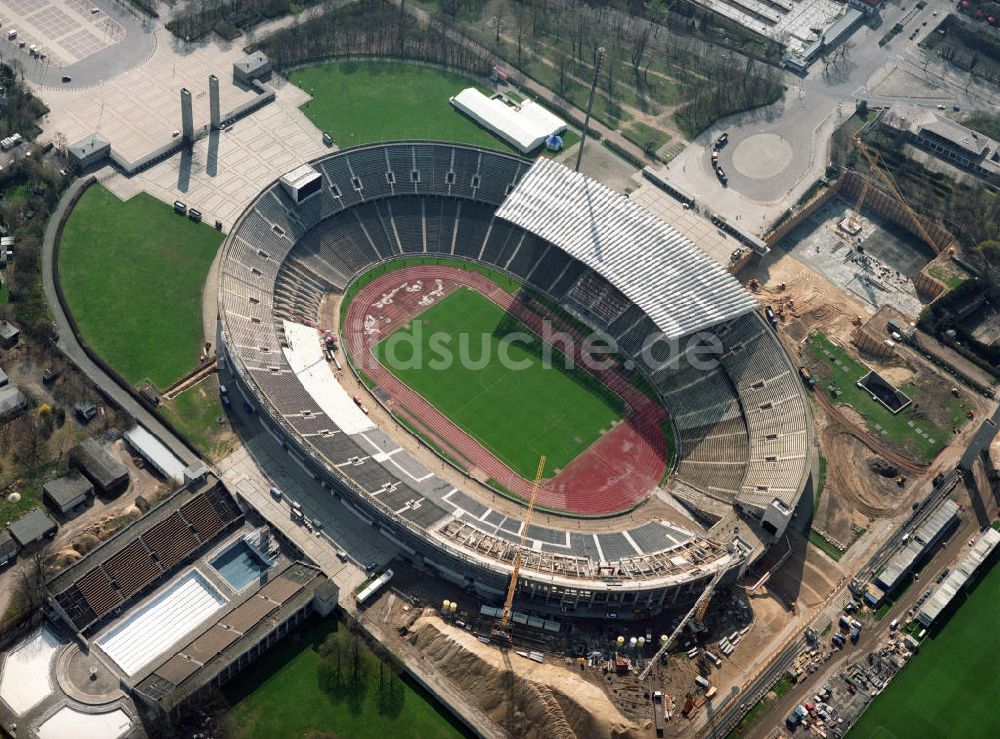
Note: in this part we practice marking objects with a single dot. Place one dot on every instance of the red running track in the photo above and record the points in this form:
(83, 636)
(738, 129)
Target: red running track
(613, 475)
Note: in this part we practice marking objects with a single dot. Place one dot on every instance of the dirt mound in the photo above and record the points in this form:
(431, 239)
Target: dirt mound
(883, 468)
(528, 699)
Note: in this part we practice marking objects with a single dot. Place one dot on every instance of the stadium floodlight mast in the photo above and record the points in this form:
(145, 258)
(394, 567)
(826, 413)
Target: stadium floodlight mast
(590, 104)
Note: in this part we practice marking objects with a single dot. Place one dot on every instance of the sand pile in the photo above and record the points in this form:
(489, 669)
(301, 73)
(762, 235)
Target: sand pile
(529, 699)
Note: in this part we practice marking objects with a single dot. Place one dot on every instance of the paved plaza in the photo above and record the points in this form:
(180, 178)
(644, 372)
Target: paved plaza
(713, 241)
(139, 111)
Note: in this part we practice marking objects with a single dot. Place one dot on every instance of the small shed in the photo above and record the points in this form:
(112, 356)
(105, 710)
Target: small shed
(67, 492)
(12, 401)
(251, 67)
(99, 465)
(9, 334)
(8, 548)
(159, 457)
(85, 410)
(32, 527)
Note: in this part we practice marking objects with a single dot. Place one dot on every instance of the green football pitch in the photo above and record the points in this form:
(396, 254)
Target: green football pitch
(947, 690)
(133, 274)
(364, 102)
(517, 409)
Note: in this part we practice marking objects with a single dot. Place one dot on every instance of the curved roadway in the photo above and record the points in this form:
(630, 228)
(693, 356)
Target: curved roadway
(134, 48)
(70, 346)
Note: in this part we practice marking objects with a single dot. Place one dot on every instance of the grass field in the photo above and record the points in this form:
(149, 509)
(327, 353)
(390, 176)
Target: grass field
(363, 102)
(196, 413)
(280, 696)
(834, 364)
(947, 690)
(133, 275)
(518, 414)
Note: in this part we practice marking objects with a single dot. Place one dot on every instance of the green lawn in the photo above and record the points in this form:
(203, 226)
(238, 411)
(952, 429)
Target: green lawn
(824, 546)
(646, 137)
(363, 102)
(835, 364)
(280, 696)
(196, 413)
(133, 275)
(518, 414)
(947, 690)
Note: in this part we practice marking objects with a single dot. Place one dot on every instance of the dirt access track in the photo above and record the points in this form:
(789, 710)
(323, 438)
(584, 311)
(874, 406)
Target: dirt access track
(615, 474)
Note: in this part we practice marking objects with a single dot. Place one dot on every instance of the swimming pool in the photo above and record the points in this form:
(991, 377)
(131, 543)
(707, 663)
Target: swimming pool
(239, 564)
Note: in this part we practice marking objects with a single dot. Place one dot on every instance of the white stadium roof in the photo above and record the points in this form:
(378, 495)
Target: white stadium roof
(675, 283)
(526, 126)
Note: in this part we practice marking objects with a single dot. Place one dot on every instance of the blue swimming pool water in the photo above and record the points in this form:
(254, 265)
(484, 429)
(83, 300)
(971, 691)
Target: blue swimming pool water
(239, 565)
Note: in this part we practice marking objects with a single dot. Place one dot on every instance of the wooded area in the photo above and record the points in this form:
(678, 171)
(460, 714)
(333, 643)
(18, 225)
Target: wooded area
(375, 29)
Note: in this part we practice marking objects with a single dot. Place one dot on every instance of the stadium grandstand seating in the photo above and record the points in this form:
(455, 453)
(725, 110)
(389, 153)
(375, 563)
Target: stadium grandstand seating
(131, 566)
(742, 426)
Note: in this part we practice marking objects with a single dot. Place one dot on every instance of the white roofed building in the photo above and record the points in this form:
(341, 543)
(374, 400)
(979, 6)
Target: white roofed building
(526, 125)
(672, 280)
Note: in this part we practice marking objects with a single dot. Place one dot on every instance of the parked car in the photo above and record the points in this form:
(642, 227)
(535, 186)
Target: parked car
(276, 493)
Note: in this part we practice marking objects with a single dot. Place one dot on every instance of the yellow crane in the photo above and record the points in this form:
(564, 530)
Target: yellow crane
(855, 222)
(898, 196)
(512, 588)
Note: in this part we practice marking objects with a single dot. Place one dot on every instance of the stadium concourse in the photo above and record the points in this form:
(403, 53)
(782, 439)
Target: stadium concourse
(741, 423)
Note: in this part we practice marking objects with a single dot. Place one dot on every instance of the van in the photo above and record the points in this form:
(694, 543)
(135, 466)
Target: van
(894, 624)
(179, 207)
(276, 493)
(12, 34)
(194, 215)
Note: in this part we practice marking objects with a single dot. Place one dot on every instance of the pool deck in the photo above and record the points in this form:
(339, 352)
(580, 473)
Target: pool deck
(203, 567)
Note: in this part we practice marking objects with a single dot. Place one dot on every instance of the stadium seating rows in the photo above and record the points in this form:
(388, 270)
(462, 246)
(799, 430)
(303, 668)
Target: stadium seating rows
(741, 426)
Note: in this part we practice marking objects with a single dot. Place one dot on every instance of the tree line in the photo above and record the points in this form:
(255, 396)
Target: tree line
(229, 17)
(656, 53)
(372, 29)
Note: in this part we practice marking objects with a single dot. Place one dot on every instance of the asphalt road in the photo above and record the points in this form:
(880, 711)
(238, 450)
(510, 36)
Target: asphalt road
(69, 345)
(133, 49)
(813, 107)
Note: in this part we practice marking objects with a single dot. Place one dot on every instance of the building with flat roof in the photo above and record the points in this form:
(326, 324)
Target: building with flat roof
(12, 401)
(97, 463)
(67, 492)
(32, 527)
(9, 334)
(251, 67)
(526, 125)
(156, 453)
(90, 150)
(947, 139)
(227, 644)
(923, 542)
(959, 577)
(8, 548)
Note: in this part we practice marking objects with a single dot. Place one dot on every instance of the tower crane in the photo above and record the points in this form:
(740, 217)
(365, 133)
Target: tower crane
(898, 196)
(501, 631)
(852, 224)
(697, 611)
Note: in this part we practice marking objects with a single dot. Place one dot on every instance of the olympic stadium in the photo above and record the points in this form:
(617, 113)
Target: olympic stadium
(340, 255)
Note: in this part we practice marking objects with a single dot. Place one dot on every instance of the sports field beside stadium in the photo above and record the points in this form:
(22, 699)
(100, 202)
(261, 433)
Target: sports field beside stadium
(281, 695)
(363, 102)
(518, 410)
(949, 687)
(133, 274)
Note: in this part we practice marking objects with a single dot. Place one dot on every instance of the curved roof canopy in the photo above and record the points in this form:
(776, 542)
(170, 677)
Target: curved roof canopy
(674, 282)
